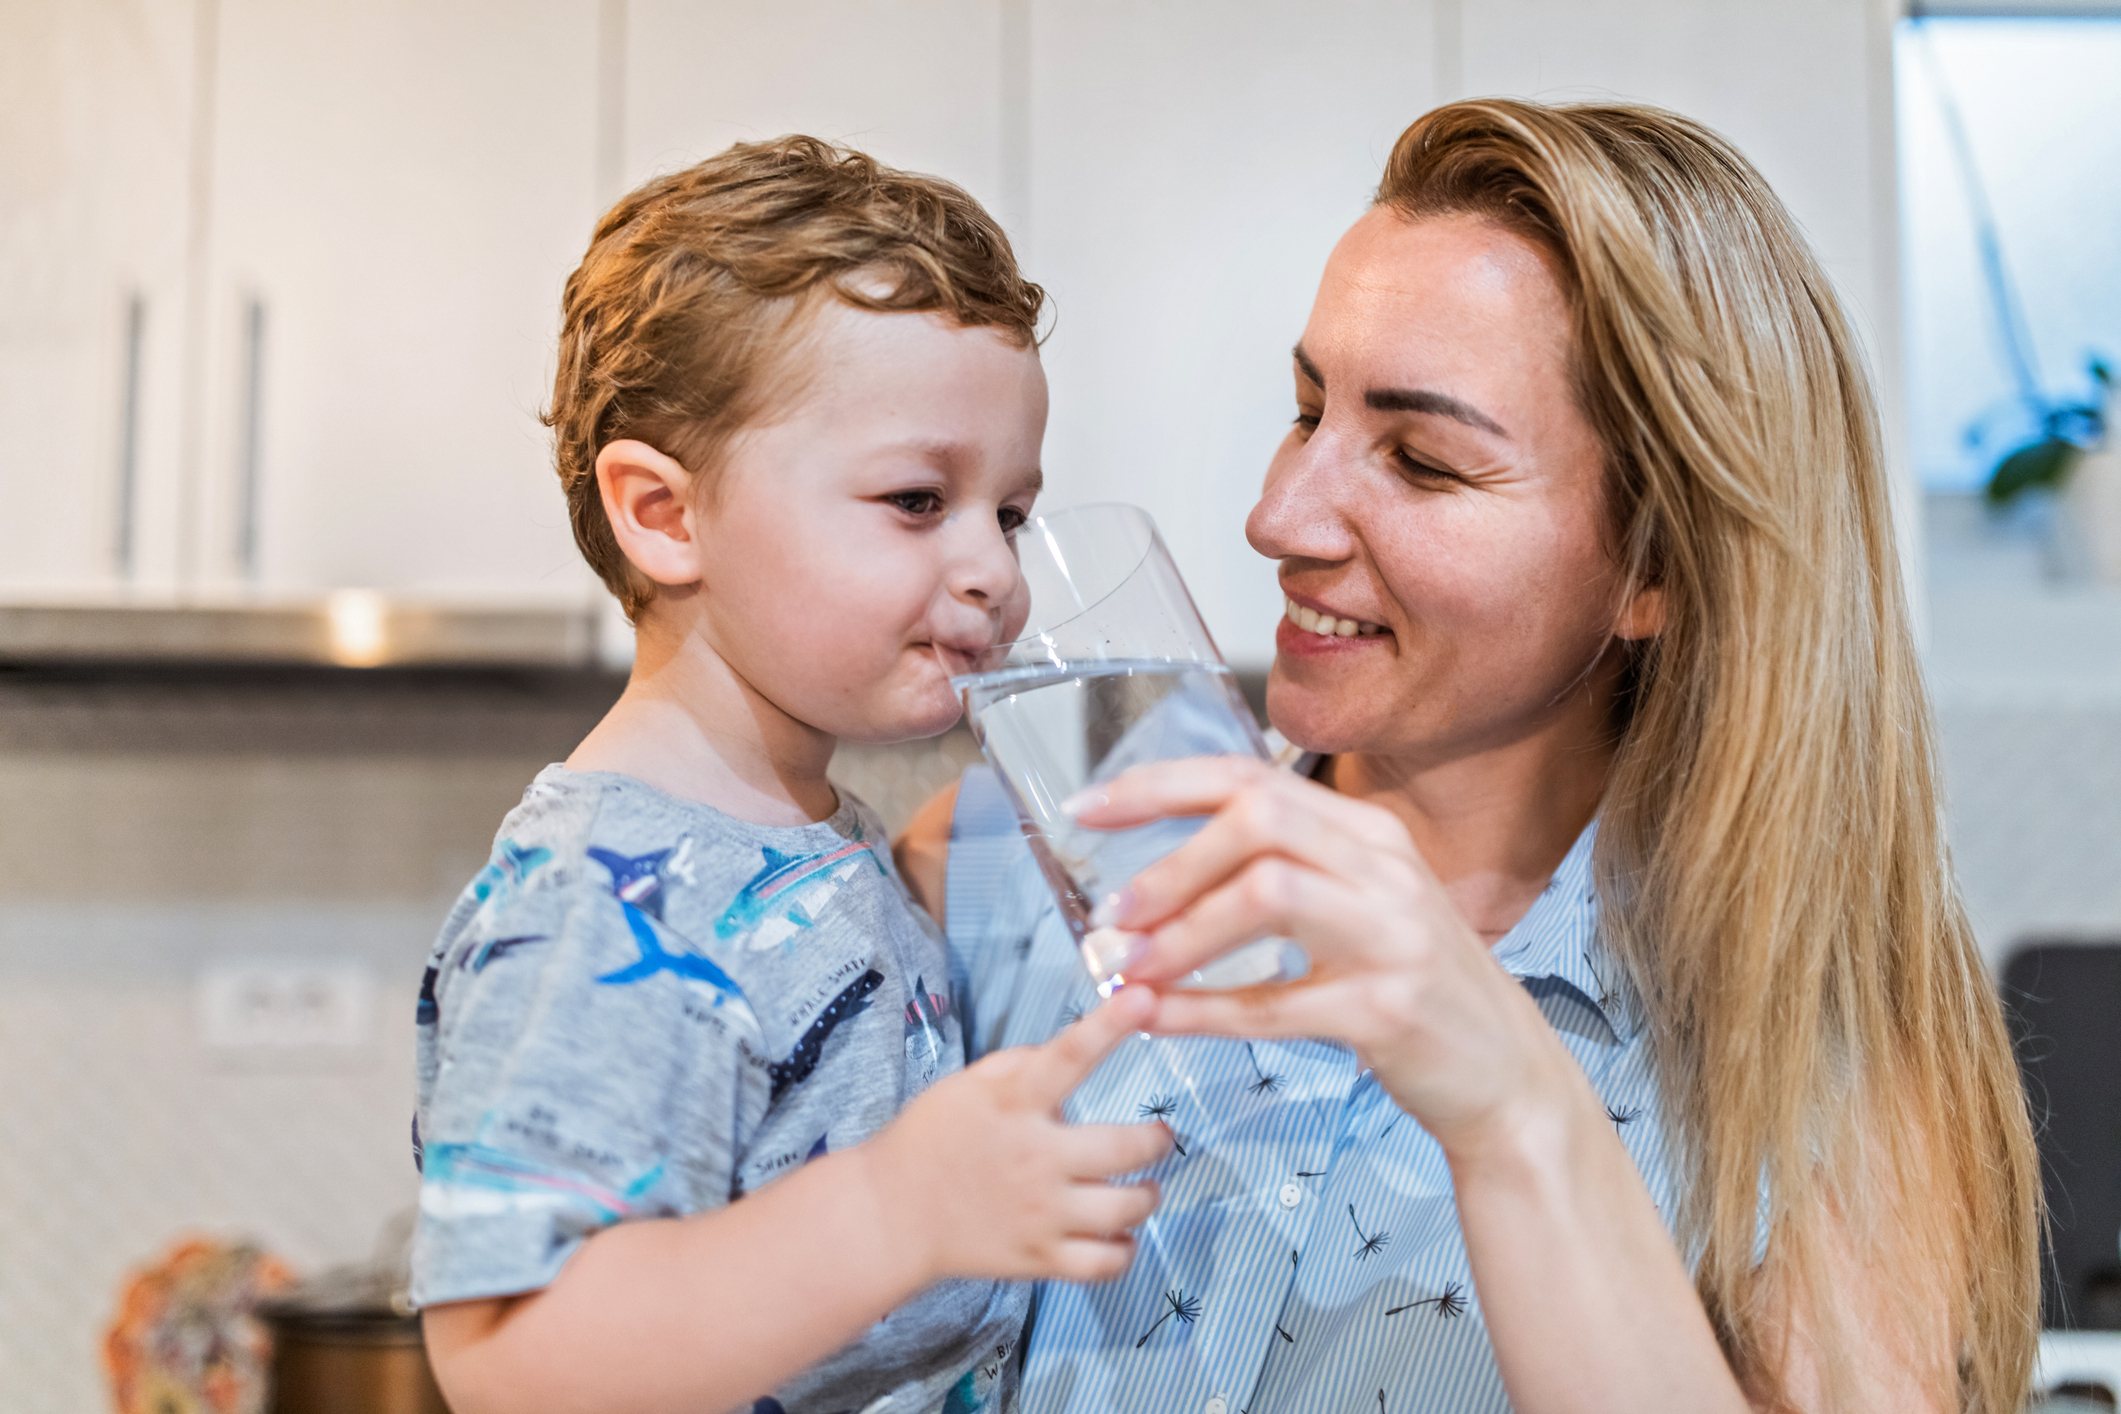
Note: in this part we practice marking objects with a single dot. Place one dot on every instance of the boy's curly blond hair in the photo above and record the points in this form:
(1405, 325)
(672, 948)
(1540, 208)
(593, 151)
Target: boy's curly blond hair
(694, 285)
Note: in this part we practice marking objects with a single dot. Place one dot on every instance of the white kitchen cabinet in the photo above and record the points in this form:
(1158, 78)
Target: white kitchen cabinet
(916, 83)
(395, 194)
(1190, 168)
(95, 198)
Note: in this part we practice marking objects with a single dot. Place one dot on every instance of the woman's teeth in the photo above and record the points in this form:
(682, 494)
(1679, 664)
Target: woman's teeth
(1326, 626)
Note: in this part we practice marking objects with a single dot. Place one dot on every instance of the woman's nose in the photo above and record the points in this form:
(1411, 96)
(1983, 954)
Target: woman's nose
(1300, 514)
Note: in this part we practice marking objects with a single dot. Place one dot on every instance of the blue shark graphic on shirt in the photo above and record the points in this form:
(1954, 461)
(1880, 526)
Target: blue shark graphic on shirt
(511, 866)
(481, 1179)
(802, 1061)
(975, 1387)
(964, 1396)
(789, 893)
(475, 958)
(655, 960)
(638, 879)
(926, 1011)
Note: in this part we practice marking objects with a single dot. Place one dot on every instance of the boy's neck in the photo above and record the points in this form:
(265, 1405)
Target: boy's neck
(690, 725)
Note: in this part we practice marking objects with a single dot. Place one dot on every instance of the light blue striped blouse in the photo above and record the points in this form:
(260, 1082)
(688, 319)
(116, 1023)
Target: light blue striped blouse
(1307, 1257)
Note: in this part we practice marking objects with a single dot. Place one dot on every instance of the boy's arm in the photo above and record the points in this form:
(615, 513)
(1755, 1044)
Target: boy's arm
(923, 850)
(713, 1310)
(703, 1312)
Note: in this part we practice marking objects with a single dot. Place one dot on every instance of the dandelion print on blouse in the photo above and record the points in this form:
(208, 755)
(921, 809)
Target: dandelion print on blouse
(1160, 1108)
(1372, 1242)
(1449, 1304)
(1267, 1082)
(1186, 1308)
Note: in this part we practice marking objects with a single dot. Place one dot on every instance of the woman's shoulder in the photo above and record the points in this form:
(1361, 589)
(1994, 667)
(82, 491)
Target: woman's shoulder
(922, 850)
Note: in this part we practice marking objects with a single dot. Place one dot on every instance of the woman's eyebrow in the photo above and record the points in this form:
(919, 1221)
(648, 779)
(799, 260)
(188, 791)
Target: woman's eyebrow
(1423, 400)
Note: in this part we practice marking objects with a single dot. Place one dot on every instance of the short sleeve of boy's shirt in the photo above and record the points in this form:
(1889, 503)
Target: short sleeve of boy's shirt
(578, 1067)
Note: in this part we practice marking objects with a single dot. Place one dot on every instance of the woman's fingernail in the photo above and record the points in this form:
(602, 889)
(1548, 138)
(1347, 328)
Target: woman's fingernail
(1137, 951)
(1112, 908)
(1110, 951)
(1088, 798)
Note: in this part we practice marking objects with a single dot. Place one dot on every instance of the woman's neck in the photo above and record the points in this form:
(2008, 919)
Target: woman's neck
(689, 724)
(1493, 823)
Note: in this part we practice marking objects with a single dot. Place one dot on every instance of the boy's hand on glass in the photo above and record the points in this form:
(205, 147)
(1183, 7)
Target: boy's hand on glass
(984, 1173)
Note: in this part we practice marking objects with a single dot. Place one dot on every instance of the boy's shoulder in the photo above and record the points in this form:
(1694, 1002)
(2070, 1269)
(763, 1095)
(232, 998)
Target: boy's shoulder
(567, 817)
(616, 836)
(554, 836)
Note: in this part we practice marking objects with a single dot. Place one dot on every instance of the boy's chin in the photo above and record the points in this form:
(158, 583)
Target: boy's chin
(912, 719)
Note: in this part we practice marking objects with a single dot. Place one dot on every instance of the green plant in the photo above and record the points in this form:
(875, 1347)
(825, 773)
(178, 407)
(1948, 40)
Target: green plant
(2067, 431)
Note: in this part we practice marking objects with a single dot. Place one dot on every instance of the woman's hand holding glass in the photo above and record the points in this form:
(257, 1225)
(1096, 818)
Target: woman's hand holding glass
(1396, 974)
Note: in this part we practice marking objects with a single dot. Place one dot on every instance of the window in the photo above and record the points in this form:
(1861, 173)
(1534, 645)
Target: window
(2038, 128)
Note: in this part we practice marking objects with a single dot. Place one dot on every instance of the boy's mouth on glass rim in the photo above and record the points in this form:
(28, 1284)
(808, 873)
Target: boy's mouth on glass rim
(960, 655)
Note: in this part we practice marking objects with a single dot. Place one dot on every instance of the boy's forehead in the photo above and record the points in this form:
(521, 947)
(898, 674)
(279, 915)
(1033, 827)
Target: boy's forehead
(919, 374)
(845, 336)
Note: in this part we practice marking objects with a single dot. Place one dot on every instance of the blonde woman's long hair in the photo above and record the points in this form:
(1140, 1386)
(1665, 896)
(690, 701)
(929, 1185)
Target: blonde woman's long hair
(1770, 846)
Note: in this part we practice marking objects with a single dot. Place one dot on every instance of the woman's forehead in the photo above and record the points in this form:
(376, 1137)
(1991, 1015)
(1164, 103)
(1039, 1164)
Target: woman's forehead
(1438, 295)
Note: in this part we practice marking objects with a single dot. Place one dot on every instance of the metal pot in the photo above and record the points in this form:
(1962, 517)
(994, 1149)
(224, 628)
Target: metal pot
(338, 1349)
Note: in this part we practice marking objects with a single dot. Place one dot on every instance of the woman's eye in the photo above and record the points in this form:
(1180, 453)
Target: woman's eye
(916, 503)
(1421, 470)
(1012, 520)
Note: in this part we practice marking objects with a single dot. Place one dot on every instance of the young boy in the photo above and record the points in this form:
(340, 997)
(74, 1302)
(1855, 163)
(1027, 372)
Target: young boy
(695, 1128)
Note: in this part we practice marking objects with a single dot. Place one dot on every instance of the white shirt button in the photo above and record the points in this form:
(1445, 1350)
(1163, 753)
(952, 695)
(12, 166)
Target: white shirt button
(1292, 1193)
(1217, 1405)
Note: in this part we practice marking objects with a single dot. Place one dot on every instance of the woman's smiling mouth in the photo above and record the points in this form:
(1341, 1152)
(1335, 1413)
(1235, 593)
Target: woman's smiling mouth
(1324, 625)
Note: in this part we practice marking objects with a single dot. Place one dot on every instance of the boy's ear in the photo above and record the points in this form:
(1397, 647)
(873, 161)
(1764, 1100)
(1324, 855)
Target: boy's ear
(648, 500)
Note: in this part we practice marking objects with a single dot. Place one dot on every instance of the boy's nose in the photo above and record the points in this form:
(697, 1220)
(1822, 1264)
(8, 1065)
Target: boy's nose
(984, 571)
(984, 576)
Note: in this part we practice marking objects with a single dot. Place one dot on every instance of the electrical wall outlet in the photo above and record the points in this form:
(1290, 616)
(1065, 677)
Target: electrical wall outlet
(277, 1006)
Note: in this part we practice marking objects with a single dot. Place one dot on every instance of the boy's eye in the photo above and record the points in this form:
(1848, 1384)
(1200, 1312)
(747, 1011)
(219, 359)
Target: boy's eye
(1012, 520)
(916, 503)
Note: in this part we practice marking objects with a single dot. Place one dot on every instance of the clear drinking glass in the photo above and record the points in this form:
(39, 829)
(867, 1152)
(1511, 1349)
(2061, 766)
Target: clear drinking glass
(1112, 668)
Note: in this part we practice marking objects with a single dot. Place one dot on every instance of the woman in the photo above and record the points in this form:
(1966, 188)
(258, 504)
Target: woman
(1619, 866)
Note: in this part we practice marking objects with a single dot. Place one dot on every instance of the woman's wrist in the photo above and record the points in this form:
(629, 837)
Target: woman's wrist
(1536, 1131)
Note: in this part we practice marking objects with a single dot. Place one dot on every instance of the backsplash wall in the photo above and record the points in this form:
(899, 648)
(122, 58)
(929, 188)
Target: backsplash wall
(158, 824)
(155, 826)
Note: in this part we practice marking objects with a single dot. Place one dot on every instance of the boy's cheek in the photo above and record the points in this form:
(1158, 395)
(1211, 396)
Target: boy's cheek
(1016, 612)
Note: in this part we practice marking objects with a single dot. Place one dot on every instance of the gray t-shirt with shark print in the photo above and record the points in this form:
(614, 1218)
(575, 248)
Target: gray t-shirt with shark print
(643, 1007)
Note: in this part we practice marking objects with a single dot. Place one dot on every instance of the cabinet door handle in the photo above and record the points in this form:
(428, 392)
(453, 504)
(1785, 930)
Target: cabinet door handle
(250, 454)
(124, 538)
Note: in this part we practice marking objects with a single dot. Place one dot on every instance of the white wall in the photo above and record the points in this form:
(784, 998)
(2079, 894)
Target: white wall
(1191, 166)
(1176, 171)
